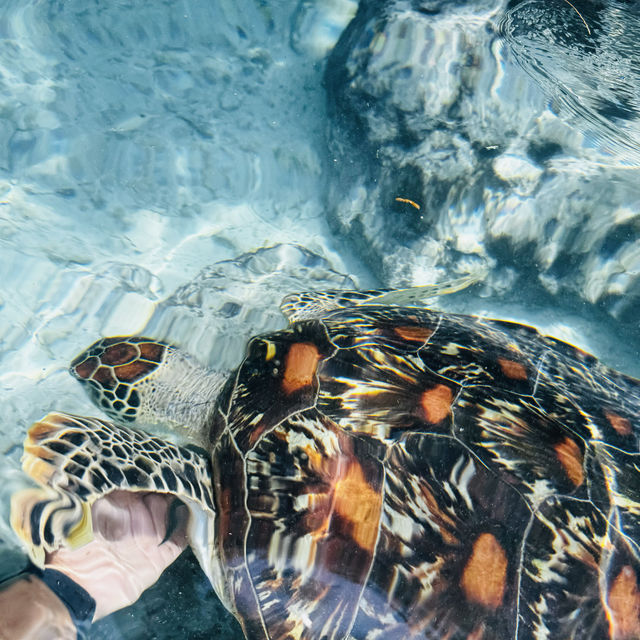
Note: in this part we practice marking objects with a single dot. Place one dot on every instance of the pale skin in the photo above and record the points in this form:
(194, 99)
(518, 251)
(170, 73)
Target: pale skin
(126, 556)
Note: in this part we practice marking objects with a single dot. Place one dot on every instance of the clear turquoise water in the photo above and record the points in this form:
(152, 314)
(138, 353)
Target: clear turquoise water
(139, 144)
(143, 143)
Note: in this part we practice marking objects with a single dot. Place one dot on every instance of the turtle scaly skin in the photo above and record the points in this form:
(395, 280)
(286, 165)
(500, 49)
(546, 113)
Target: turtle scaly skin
(379, 471)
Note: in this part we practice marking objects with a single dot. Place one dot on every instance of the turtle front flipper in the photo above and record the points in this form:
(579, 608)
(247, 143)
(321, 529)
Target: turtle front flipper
(143, 381)
(77, 460)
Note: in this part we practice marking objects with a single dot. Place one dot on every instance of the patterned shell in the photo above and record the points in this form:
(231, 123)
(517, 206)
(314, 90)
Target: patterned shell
(391, 472)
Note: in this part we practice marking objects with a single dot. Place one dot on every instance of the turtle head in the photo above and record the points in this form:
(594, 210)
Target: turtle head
(115, 371)
(147, 382)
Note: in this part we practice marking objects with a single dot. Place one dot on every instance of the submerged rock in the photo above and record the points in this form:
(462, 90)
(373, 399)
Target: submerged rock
(491, 132)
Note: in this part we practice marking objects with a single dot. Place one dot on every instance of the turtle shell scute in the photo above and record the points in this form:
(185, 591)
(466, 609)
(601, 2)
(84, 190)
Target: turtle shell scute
(406, 473)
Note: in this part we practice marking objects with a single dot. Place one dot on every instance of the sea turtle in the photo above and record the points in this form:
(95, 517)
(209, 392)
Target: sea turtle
(377, 469)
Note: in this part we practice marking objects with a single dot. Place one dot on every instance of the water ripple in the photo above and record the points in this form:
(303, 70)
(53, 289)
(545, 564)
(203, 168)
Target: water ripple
(590, 69)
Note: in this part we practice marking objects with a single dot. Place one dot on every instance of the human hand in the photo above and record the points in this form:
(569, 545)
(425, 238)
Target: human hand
(127, 554)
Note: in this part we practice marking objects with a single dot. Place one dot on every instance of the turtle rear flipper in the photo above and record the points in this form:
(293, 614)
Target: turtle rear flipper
(77, 460)
(315, 304)
(145, 382)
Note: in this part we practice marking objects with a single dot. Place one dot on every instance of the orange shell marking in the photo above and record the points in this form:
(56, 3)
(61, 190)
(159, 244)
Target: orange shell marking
(512, 369)
(620, 424)
(484, 576)
(358, 503)
(623, 604)
(300, 366)
(436, 403)
(570, 457)
(414, 334)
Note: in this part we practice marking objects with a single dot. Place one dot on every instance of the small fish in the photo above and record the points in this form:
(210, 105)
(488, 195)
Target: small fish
(411, 202)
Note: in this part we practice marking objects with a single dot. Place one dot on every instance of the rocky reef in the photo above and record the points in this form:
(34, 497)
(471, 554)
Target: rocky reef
(504, 134)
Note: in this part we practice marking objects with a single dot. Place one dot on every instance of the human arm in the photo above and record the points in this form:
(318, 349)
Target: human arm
(126, 556)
